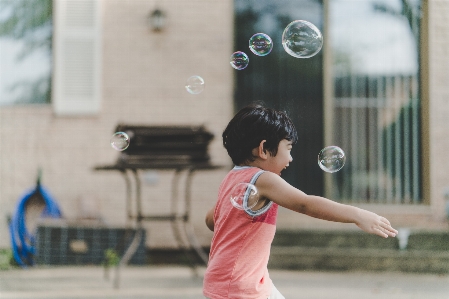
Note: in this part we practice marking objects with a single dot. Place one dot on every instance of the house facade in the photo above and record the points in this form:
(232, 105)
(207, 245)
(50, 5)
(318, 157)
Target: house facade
(111, 67)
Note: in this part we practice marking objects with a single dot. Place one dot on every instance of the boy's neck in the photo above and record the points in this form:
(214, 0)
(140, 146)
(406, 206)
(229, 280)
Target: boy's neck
(254, 163)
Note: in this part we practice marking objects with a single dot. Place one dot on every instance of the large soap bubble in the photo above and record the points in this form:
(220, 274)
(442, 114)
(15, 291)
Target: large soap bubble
(331, 159)
(239, 60)
(195, 85)
(120, 141)
(244, 196)
(302, 39)
(260, 44)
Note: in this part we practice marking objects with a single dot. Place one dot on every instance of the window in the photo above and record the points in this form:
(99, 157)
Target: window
(361, 92)
(51, 52)
(376, 103)
(284, 82)
(25, 51)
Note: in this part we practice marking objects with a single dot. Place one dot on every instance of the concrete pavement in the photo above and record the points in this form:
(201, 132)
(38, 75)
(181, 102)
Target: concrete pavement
(172, 282)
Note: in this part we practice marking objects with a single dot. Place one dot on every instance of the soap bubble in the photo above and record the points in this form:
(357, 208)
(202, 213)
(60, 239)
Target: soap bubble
(120, 141)
(331, 159)
(302, 39)
(239, 60)
(244, 196)
(260, 44)
(195, 85)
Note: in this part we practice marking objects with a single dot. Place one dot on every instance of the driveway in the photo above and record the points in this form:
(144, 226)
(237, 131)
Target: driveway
(178, 282)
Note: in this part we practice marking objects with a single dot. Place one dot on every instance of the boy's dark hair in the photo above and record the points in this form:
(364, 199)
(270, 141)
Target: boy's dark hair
(250, 126)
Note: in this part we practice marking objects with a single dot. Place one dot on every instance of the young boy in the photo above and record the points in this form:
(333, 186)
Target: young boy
(259, 141)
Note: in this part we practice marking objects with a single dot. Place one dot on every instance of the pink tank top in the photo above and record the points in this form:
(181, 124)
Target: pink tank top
(241, 244)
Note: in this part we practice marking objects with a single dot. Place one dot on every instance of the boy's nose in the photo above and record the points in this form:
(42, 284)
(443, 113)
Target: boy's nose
(291, 159)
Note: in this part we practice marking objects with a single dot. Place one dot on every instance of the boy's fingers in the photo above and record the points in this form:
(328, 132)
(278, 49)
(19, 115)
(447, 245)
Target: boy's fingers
(389, 229)
(380, 232)
(392, 231)
(385, 220)
(391, 234)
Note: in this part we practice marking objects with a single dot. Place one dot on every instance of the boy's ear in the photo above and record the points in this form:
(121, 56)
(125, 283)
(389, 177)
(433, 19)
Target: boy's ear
(261, 152)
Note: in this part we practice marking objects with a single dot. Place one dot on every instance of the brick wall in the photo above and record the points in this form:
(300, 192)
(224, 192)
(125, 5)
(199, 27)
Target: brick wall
(438, 103)
(144, 74)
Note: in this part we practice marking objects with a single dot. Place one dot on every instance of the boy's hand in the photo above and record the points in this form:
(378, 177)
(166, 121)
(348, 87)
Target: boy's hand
(375, 224)
(210, 219)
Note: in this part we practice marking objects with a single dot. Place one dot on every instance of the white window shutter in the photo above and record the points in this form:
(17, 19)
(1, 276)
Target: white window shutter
(76, 85)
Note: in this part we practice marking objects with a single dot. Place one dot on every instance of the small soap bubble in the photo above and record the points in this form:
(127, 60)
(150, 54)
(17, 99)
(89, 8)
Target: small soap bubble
(239, 60)
(244, 196)
(120, 141)
(302, 39)
(195, 85)
(331, 159)
(260, 44)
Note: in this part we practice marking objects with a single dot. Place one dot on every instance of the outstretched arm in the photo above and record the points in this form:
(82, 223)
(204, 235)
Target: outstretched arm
(210, 218)
(279, 191)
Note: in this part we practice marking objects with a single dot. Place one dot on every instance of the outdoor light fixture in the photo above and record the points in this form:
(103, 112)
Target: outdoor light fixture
(157, 20)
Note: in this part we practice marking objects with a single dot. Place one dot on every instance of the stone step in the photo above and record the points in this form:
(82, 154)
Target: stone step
(358, 259)
(407, 239)
(411, 251)
(422, 252)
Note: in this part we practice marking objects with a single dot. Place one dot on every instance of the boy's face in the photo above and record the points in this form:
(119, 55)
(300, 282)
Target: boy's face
(282, 159)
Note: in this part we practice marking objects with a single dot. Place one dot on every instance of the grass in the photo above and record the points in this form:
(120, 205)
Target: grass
(6, 259)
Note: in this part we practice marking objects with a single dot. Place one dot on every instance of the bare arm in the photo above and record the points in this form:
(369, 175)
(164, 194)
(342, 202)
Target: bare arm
(279, 191)
(210, 218)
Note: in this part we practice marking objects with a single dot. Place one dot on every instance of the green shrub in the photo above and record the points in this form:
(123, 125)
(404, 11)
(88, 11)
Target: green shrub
(111, 258)
(6, 259)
